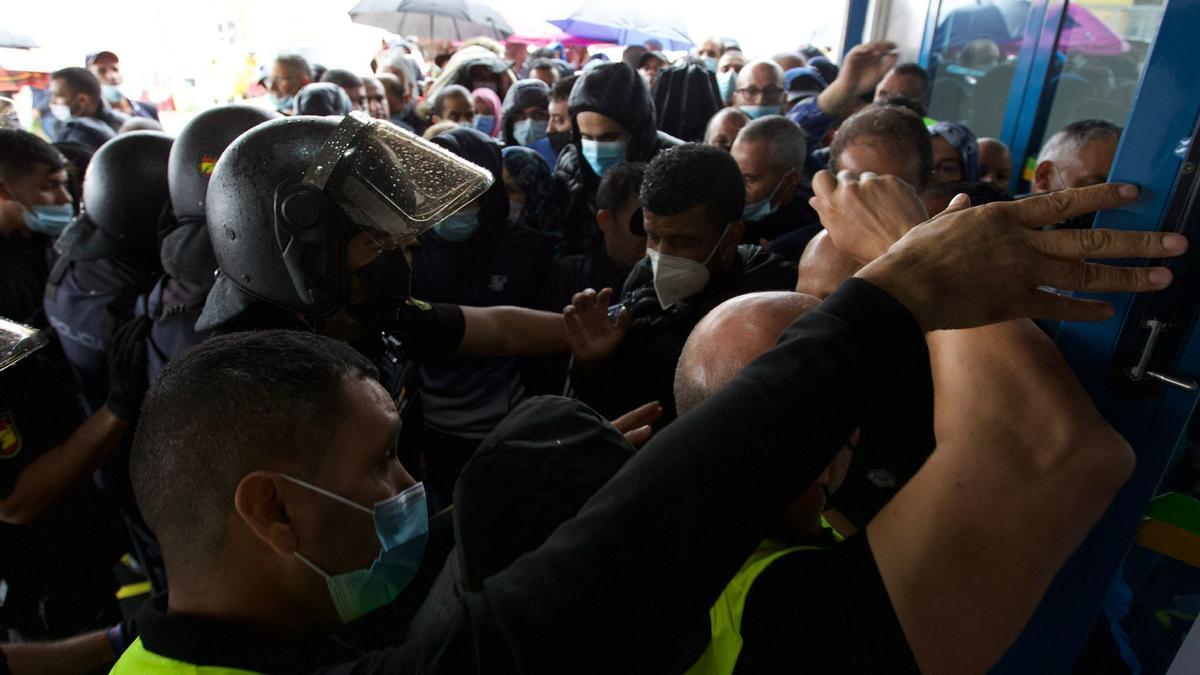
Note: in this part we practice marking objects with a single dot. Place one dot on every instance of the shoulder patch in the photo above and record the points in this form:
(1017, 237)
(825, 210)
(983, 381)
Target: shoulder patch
(10, 436)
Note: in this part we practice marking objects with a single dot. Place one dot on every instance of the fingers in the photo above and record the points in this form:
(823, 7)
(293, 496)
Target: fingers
(1052, 306)
(644, 414)
(824, 183)
(961, 201)
(1084, 276)
(1101, 244)
(623, 319)
(1055, 207)
(640, 436)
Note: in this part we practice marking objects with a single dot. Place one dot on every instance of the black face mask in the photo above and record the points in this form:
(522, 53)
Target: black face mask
(386, 282)
(559, 140)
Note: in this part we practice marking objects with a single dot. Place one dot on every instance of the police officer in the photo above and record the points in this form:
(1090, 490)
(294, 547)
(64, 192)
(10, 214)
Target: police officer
(175, 302)
(109, 254)
(59, 535)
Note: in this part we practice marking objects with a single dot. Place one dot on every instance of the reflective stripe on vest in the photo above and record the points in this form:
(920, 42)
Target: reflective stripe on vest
(725, 616)
(137, 660)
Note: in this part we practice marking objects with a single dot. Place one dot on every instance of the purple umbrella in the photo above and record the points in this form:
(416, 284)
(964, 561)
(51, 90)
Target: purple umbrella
(1085, 33)
(625, 22)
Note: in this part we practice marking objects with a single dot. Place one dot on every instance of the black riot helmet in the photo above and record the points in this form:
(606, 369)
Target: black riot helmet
(124, 193)
(186, 251)
(286, 197)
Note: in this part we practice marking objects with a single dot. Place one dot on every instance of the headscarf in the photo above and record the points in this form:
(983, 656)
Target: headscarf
(491, 98)
(531, 173)
(964, 141)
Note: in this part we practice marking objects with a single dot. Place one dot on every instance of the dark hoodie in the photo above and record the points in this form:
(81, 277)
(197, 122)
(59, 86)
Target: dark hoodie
(500, 265)
(686, 97)
(522, 95)
(642, 369)
(616, 91)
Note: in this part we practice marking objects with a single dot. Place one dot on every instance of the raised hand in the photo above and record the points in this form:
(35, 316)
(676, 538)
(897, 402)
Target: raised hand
(987, 264)
(591, 333)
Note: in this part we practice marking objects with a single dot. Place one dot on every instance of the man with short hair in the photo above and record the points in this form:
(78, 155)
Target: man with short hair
(377, 99)
(886, 140)
(995, 162)
(1079, 155)
(560, 129)
(351, 84)
(401, 110)
(723, 128)
(760, 89)
(289, 74)
(78, 105)
(790, 60)
(453, 103)
(770, 152)
(37, 206)
(728, 67)
(544, 70)
(107, 68)
(710, 51)
(692, 203)
(907, 79)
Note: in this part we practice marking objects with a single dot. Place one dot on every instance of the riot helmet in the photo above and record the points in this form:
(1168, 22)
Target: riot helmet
(286, 197)
(124, 193)
(186, 251)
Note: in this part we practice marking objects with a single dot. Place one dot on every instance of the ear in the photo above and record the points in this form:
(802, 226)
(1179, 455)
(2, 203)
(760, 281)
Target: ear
(1042, 175)
(604, 218)
(261, 507)
(737, 231)
(790, 183)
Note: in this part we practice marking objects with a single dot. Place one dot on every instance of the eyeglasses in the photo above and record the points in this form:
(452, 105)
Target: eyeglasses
(768, 94)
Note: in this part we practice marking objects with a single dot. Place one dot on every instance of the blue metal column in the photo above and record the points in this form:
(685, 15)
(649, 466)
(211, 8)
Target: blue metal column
(856, 21)
(931, 17)
(1165, 112)
(1029, 97)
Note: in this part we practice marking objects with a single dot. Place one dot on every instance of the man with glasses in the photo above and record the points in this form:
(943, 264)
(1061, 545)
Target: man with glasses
(760, 89)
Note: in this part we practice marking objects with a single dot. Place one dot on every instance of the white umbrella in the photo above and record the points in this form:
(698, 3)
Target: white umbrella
(433, 19)
(15, 40)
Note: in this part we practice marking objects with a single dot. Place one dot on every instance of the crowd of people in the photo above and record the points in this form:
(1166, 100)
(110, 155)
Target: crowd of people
(630, 366)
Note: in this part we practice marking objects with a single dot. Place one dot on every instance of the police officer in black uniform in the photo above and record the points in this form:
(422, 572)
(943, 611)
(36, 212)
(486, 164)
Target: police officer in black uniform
(109, 254)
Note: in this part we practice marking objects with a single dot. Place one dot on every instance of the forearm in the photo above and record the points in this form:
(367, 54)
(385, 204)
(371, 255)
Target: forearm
(512, 331)
(60, 470)
(669, 530)
(1023, 468)
(85, 653)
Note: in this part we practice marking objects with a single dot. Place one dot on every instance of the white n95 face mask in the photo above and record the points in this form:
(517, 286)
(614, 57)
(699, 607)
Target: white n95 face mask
(678, 278)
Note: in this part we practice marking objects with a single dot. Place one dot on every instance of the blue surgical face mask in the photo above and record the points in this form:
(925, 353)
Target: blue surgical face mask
(49, 220)
(603, 155)
(282, 104)
(762, 208)
(710, 63)
(727, 84)
(528, 132)
(460, 226)
(111, 93)
(757, 111)
(402, 526)
(485, 123)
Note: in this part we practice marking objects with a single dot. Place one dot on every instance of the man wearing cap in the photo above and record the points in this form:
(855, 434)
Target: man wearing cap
(107, 68)
(649, 65)
(801, 83)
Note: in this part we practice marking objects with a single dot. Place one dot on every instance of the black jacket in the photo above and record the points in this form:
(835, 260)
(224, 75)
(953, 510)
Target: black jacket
(612, 587)
(796, 215)
(656, 336)
(616, 91)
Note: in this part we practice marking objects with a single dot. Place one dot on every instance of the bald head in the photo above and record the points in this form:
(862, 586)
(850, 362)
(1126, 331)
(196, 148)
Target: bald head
(730, 337)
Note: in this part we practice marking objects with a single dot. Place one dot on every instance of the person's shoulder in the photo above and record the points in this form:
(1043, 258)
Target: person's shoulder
(761, 265)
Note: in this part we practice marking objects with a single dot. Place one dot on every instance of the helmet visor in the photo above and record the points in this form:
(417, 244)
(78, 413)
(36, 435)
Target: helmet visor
(17, 342)
(390, 180)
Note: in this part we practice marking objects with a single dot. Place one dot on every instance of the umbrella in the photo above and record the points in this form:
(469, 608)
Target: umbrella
(542, 33)
(15, 40)
(433, 19)
(1086, 33)
(1004, 23)
(624, 22)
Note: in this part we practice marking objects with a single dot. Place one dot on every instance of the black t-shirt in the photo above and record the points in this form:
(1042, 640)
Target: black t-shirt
(823, 611)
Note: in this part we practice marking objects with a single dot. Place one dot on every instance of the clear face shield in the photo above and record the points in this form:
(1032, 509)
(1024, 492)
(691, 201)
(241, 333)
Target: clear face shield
(391, 181)
(17, 342)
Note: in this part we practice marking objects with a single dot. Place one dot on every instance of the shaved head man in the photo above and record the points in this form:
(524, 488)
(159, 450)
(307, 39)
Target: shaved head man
(723, 128)
(760, 89)
(995, 162)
